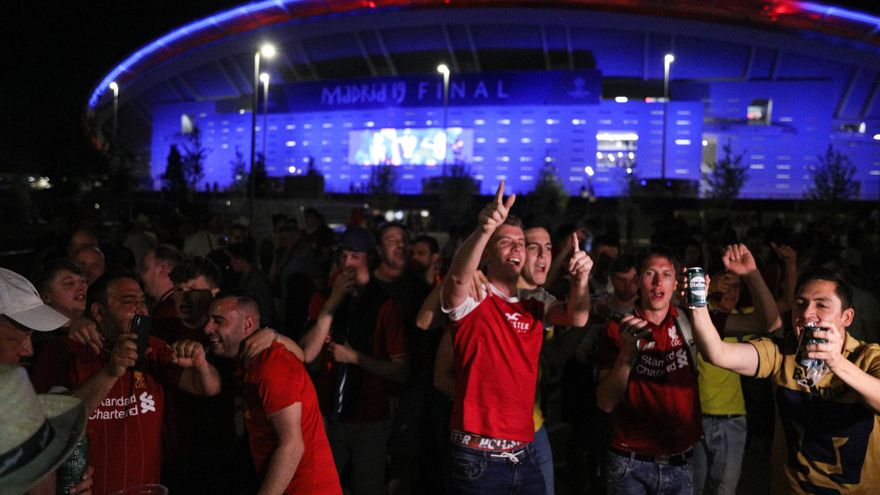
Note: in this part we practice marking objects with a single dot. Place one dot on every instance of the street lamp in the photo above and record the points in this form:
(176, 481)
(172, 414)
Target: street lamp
(444, 69)
(667, 62)
(267, 51)
(264, 78)
(115, 88)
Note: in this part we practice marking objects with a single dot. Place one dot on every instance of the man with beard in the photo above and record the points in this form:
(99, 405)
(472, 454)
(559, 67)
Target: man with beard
(283, 420)
(497, 341)
(425, 259)
(409, 289)
(124, 395)
(361, 332)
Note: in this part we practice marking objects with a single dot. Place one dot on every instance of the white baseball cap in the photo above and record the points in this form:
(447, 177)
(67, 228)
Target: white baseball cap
(20, 301)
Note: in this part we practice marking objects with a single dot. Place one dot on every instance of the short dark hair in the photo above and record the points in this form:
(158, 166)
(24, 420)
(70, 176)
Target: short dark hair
(432, 243)
(243, 300)
(195, 266)
(623, 264)
(390, 225)
(168, 253)
(513, 220)
(657, 251)
(50, 269)
(97, 291)
(842, 289)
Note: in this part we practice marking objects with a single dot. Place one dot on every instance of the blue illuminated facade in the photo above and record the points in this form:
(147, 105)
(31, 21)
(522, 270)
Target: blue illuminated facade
(561, 86)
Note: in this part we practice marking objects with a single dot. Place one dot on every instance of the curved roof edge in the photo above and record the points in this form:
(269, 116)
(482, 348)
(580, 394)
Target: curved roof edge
(786, 14)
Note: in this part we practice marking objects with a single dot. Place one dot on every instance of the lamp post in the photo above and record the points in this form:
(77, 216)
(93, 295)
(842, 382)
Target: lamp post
(444, 69)
(115, 88)
(667, 62)
(267, 51)
(264, 78)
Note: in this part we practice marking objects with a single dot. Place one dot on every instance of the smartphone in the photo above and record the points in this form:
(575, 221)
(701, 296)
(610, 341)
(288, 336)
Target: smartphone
(140, 326)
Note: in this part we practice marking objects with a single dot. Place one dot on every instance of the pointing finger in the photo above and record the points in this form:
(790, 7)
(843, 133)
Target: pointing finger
(574, 242)
(499, 194)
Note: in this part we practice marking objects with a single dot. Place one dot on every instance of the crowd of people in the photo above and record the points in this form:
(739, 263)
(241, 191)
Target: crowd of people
(371, 363)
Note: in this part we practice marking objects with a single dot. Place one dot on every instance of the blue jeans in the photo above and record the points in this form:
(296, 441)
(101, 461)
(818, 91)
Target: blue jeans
(718, 457)
(477, 472)
(628, 476)
(544, 456)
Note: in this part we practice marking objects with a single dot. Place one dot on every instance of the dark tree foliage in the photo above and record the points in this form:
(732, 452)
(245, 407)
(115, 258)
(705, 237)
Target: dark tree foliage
(193, 157)
(173, 179)
(728, 175)
(833, 178)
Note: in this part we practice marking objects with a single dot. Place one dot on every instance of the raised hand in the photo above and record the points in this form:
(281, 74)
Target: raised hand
(85, 331)
(188, 353)
(738, 259)
(785, 252)
(580, 264)
(495, 213)
(124, 354)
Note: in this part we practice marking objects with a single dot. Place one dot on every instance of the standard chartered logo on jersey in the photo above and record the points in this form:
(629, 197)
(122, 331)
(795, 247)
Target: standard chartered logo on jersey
(122, 407)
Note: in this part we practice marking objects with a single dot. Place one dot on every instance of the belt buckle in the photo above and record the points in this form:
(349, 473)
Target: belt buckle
(664, 459)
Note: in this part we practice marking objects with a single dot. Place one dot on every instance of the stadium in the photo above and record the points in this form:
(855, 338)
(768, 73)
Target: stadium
(601, 93)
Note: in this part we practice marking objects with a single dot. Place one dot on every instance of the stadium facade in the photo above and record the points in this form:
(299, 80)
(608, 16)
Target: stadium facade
(576, 86)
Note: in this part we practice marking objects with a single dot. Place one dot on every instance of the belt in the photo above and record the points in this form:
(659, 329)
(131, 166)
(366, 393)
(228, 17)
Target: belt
(723, 416)
(672, 460)
(486, 444)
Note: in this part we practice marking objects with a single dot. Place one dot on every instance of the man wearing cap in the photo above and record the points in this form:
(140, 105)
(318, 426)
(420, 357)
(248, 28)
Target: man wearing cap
(21, 312)
(361, 331)
(124, 395)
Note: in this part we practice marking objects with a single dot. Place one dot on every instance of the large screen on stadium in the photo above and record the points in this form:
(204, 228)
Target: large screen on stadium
(410, 146)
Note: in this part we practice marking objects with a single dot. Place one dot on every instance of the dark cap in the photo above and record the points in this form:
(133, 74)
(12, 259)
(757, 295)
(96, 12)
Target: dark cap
(358, 239)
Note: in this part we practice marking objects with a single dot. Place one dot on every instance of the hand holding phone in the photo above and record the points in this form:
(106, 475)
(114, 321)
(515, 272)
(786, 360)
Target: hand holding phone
(140, 326)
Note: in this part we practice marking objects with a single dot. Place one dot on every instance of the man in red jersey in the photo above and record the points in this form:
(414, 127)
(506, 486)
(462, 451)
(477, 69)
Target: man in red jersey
(648, 383)
(497, 341)
(124, 397)
(283, 420)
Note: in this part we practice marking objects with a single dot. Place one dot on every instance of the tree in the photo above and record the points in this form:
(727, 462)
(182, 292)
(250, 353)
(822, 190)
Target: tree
(193, 157)
(549, 198)
(239, 171)
(260, 177)
(728, 175)
(833, 178)
(457, 190)
(173, 179)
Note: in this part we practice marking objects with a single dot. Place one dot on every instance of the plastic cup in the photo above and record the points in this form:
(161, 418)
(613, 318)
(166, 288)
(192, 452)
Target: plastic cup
(143, 490)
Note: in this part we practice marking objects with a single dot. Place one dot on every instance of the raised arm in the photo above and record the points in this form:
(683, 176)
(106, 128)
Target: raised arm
(576, 310)
(457, 282)
(789, 284)
(313, 341)
(737, 357)
(738, 259)
(198, 377)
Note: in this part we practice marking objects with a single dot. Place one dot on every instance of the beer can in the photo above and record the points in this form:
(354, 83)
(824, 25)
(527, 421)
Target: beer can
(696, 292)
(72, 469)
(807, 338)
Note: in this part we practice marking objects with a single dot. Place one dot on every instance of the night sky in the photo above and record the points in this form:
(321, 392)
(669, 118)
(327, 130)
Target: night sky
(55, 52)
